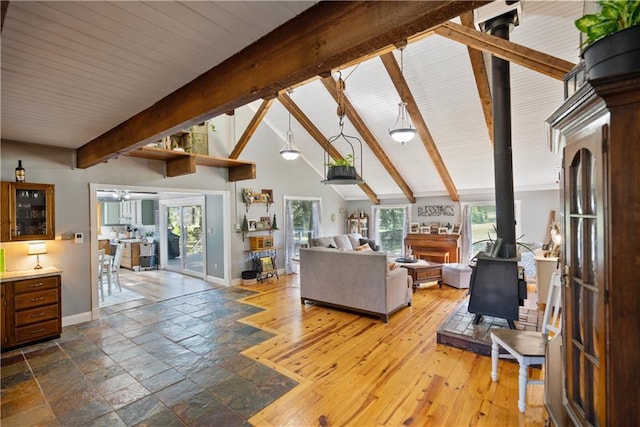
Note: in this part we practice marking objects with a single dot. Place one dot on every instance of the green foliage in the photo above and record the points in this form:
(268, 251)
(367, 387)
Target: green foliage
(189, 219)
(614, 15)
(245, 223)
(274, 224)
(346, 161)
(390, 226)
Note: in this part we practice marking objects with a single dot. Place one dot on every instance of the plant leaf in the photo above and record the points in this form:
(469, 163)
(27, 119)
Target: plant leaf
(586, 21)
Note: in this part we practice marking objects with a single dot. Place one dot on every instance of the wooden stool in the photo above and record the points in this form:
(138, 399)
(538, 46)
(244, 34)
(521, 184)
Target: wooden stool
(441, 257)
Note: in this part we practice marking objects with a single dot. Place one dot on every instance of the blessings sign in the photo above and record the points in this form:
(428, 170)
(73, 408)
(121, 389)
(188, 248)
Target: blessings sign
(436, 210)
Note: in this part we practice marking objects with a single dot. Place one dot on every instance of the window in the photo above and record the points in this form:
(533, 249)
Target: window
(302, 222)
(391, 224)
(482, 216)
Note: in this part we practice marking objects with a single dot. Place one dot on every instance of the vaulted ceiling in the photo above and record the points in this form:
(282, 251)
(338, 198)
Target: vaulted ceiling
(108, 77)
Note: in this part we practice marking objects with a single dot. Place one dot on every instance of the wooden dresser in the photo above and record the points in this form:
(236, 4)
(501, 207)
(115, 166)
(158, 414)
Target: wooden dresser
(31, 306)
(435, 247)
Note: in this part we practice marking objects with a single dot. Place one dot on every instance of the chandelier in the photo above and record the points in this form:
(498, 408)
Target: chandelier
(402, 131)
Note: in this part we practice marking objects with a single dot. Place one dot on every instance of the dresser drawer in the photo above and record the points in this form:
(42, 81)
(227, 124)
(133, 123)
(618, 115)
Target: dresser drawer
(34, 315)
(32, 285)
(427, 274)
(36, 299)
(37, 331)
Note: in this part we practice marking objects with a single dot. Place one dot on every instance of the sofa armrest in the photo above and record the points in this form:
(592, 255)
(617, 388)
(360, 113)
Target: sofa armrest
(399, 290)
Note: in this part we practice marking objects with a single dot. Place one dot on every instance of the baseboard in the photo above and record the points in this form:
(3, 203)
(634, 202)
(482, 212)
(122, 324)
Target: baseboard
(216, 280)
(76, 318)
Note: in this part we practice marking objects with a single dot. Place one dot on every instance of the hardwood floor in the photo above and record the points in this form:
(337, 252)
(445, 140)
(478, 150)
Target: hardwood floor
(358, 371)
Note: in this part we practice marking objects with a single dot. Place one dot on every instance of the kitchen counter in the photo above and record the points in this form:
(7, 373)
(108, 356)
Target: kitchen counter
(28, 274)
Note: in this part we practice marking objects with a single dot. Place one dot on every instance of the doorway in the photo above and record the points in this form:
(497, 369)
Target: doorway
(183, 221)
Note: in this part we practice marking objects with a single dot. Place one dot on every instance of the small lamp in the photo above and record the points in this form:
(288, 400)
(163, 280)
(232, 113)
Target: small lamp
(37, 248)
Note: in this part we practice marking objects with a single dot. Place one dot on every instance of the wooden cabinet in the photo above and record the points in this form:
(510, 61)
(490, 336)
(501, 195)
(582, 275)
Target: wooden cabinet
(358, 223)
(106, 245)
(435, 247)
(598, 129)
(130, 255)
(28, 212)
(31, 306)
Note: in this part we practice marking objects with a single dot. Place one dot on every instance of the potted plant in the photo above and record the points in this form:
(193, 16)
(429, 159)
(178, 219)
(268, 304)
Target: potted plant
(611, 46)
(342, 168)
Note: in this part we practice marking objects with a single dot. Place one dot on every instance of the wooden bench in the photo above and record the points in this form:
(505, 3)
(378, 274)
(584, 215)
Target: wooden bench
(441, 257)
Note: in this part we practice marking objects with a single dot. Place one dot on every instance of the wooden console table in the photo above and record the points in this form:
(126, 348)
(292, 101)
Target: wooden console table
(435, 247)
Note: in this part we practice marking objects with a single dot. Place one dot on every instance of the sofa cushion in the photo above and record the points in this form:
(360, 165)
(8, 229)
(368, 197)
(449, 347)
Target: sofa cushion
(364, 247)
(323, 242)
(343, 242)
(371, 243)
(354, 238)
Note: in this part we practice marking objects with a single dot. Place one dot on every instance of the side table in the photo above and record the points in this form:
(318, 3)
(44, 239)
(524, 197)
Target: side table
(423, 271)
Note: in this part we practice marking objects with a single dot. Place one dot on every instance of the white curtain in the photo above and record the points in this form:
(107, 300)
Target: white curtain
(465, 230)
(289, 245)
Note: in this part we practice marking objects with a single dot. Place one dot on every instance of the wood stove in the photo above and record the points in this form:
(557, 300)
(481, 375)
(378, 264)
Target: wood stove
(497, 289)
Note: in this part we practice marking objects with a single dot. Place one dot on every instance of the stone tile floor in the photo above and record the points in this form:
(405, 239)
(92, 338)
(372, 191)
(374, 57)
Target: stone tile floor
(174, 362)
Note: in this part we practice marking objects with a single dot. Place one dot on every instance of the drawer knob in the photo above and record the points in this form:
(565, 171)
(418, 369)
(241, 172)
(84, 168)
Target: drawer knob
(37, 299)
(34, 316)
(37, 331)
(36, 285)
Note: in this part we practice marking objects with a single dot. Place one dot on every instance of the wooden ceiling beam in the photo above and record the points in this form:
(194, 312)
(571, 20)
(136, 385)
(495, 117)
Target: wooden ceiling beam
(391, 65)
(533, 59)
(321, 38)
(360, 126)
(482, 80)
(315, 133)
(251, 128)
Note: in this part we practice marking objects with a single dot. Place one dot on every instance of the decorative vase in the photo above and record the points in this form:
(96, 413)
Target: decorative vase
(618, 53)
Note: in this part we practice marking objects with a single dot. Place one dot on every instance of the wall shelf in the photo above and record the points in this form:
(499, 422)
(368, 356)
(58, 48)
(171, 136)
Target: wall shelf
(181, 163)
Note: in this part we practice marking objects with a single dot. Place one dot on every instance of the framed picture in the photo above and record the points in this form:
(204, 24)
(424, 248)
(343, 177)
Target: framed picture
(424, 230)
(455, 229)
(260, 225)
(415, 227)
(267, 195)
(247, 195)
(252, 224)
(266, 221)
(433, 228)
(442, 230)
(266, 264)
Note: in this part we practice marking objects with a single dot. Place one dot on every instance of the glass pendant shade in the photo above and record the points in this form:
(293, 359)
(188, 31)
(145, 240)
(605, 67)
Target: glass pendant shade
(402, 131)
(290, 151)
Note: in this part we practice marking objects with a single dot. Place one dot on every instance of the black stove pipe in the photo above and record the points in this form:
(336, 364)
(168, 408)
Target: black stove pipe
(502, 155)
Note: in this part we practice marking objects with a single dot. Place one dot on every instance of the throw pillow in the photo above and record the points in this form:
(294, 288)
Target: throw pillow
(364, 247)
(371, 243)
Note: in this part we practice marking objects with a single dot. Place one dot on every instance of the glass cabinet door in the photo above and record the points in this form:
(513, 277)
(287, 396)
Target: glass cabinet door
(29, 210)
(584, 287)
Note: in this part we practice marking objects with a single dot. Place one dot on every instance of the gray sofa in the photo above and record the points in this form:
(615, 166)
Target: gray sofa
(355, 280)
(347, 242)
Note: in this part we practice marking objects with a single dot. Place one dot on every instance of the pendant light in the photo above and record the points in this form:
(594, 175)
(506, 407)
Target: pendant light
(402, 131)
(289, 151)
(342, 171)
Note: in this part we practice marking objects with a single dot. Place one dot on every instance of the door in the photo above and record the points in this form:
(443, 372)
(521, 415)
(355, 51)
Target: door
(185, 246)
(584, 221)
